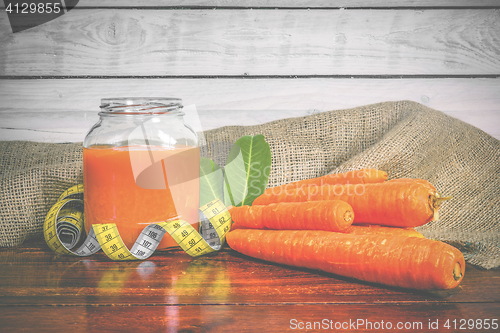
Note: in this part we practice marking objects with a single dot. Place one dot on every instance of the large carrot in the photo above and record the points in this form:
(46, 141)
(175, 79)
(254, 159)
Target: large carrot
(330, 215)
(408, 262)
(362, 176)
(392, 203)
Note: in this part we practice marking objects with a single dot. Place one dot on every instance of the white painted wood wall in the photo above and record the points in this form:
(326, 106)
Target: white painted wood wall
(247, 62)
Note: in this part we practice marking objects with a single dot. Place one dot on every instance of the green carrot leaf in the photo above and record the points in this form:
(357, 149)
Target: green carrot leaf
(247, 170)
(237, 174)
(211, 181)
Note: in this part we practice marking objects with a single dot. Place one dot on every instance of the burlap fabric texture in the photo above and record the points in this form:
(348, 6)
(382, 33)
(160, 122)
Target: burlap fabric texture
(404, 138)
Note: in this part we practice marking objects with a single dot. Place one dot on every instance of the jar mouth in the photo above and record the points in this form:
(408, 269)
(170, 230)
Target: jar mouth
(141, 106)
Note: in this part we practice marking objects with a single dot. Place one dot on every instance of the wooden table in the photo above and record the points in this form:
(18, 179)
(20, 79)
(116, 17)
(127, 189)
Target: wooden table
(224, 291)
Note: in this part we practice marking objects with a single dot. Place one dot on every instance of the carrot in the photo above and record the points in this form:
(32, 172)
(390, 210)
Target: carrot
(366, 229)
(362, 176)
(407, 262)
(363, 229)
(392, 203)
(330, 215)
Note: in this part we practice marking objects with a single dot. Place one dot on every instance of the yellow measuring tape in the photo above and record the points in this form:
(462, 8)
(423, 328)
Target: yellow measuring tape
(65, 221)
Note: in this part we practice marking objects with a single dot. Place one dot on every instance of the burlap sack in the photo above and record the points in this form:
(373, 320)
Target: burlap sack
(405, 139)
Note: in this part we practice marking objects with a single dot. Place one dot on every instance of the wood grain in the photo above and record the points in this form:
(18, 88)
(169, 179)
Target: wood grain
(68, 95)
(288, 3)
(39, 277)
(255, 42)
(63, 110)
(215, 293)
(232, 317)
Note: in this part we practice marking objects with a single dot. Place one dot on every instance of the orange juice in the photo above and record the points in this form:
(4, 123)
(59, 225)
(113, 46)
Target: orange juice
(134, 186)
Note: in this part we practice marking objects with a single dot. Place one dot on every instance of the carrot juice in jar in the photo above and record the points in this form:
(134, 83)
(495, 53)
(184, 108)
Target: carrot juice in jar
(140, 166)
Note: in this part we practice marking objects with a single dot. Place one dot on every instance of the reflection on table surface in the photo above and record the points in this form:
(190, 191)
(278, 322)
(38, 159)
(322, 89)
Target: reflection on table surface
(173, 292)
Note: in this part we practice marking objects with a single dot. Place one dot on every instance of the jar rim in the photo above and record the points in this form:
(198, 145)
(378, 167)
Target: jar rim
(140, 106)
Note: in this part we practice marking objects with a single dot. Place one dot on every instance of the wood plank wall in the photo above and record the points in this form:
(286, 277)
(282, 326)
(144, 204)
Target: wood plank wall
(250, 61)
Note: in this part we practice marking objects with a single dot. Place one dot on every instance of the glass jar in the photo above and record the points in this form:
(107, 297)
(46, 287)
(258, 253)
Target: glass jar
(140, 166)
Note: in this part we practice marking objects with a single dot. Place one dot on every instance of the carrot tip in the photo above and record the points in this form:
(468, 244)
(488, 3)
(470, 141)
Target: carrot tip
(457, 271)
(348, 216)
(435, 201)
(438, 200)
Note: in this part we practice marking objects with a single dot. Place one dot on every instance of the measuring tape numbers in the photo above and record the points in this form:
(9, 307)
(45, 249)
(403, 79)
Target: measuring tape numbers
(65, 221)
